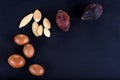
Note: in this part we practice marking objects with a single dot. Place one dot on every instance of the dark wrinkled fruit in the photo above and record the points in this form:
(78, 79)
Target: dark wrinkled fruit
(63, 20)
(92, 12)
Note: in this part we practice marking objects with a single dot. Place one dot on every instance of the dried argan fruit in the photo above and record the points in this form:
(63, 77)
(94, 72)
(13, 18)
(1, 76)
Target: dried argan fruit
(47, 32)
(40, 30)
(26, 20)
(46, 23)
(37, 15)
(92, 12)
(63, 20)
(34, 28)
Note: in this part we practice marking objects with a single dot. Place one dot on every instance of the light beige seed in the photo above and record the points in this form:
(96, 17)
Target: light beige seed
(34, 28)
(26, 20)
(40, 30)
(46, 23)
(37, 15)
(47, 32)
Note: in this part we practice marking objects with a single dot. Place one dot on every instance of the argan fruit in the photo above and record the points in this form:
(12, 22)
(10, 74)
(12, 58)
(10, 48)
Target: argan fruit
(92, 12)
(63, 20)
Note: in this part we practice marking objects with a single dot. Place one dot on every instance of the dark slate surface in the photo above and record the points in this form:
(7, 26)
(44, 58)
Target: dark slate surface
(90, 50)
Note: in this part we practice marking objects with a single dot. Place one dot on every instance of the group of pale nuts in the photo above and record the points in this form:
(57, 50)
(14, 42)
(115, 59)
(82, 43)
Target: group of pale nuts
(18, 61)
(37, 29)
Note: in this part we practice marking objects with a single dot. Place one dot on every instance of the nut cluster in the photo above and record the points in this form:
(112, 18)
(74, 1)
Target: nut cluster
(37, 29)
(18, 61)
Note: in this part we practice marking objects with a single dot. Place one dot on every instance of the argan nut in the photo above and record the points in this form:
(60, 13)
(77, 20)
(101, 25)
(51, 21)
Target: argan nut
(28, 50)
(46, 23)
(37, 15)
(34, 28)
(21, 39)
(40, 30)
(47, 32)
(36, 70)
(92, 12)
(16, 61)
(63, 20)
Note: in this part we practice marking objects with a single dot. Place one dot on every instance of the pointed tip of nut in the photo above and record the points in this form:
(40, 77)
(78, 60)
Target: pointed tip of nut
(44, 19)
(37, 10)
(20, 26)
(37, 20)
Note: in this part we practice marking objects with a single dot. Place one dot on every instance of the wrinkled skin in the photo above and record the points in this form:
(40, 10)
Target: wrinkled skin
(63, 20)
(92, 12)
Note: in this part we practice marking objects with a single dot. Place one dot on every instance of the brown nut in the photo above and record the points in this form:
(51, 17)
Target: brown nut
(28, 50)
(21, 39)
(16, 61)
(63, 20)
(36, 70)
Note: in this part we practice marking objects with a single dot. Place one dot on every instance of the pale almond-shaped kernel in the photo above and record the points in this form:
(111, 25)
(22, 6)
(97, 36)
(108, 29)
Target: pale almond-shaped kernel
(40, 30)
(37, 15)
(46, 23)
(34, 28)
(47, 32)
(26, 20)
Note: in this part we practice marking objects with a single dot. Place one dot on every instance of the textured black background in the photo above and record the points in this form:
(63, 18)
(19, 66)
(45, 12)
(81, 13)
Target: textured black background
(90, 50)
